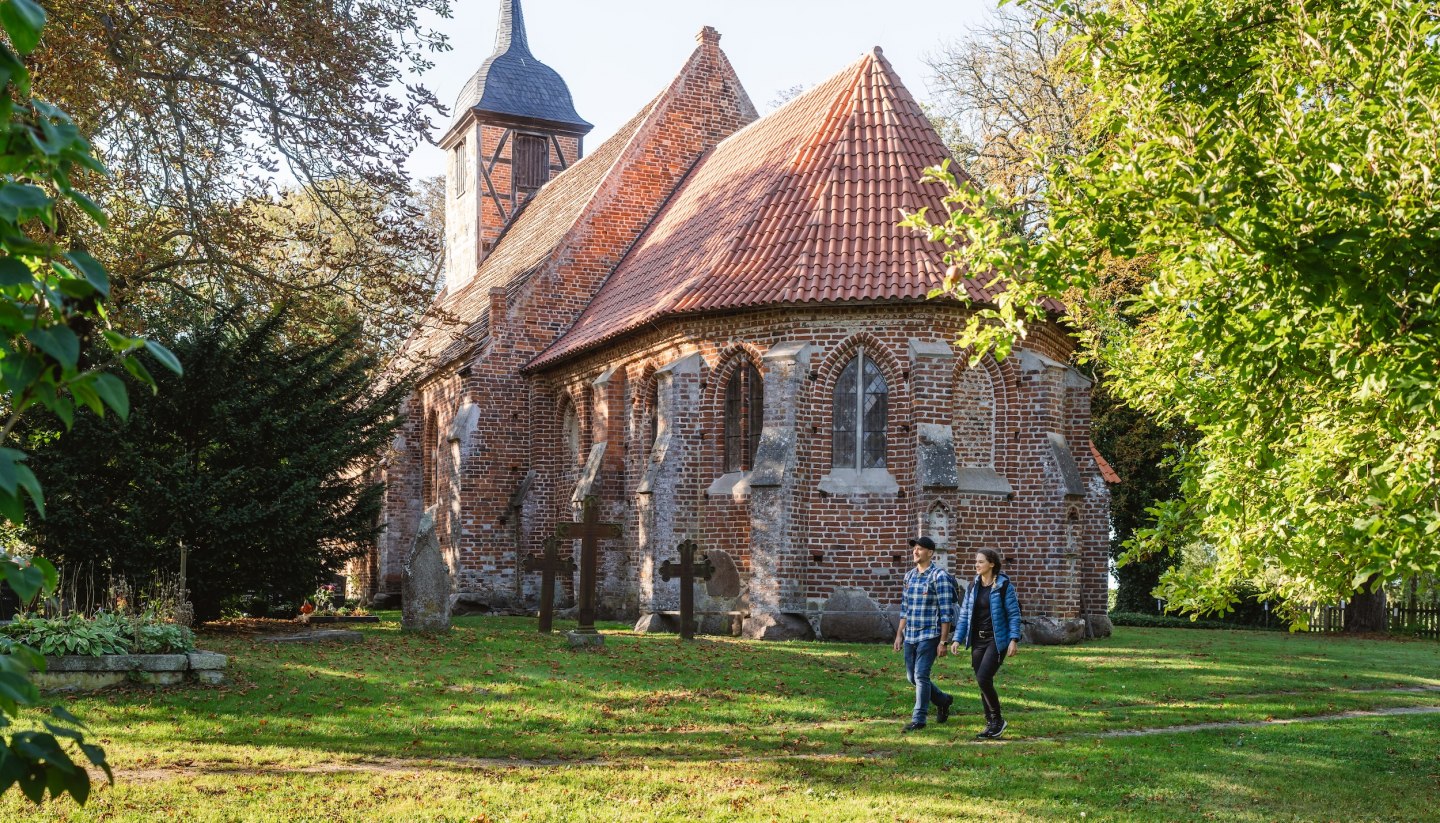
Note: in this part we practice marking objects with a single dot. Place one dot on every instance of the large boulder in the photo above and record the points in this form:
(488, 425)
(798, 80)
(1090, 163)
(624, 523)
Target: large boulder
(776, 626)
(851, 615)
(1053, 631)
(1098, 625)
(425, 582)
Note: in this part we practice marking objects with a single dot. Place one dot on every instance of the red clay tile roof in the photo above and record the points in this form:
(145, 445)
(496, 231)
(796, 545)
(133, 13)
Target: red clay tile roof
(530, 239)
(1106, 473)
(799, 207)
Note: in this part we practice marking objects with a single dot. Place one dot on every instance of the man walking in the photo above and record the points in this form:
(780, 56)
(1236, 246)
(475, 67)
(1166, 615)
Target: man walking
(926, 611)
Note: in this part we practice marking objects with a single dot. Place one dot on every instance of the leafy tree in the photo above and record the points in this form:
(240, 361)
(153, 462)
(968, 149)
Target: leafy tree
(214, 114)
(255, 460)
(1009, 104)
(1276, 161)
(54, 315)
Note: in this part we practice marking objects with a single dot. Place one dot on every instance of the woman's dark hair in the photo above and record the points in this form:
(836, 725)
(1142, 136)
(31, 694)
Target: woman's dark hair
(993, 556)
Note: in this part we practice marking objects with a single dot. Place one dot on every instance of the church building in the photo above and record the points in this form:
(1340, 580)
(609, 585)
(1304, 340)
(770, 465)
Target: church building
(712, 323)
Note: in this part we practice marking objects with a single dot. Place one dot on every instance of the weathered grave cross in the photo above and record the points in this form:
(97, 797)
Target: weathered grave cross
(548, 564)
(589, 531)
(688, 571)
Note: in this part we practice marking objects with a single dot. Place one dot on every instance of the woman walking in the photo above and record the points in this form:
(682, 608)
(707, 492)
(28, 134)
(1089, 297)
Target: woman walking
(988, 622)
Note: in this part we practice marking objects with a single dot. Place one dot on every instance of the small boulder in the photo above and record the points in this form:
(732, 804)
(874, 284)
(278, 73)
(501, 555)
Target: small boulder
(1053, 631)
(777, 626)
(1098, 625)
(385, 600)
(851, 615)
(655, 623)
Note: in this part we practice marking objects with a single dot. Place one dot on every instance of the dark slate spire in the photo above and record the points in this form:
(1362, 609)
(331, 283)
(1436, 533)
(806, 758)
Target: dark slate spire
(511, 82)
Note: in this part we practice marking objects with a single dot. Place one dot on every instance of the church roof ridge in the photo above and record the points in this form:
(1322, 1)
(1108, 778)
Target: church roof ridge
(513, 82)
(800, 207)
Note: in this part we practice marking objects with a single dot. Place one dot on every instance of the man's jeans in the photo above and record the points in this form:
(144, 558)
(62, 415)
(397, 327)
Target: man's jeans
(919, 658)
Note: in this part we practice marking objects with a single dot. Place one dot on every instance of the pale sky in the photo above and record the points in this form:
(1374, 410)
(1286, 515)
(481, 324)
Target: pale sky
(617, 54)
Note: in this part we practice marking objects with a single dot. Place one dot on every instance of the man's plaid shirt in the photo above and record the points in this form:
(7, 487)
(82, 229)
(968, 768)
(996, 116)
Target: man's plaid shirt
(929, 600)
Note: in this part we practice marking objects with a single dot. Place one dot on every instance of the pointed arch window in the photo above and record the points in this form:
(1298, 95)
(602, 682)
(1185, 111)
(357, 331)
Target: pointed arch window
(570, 435)
(744, 418)
(462, 171)
(861, 412)
(429, 461)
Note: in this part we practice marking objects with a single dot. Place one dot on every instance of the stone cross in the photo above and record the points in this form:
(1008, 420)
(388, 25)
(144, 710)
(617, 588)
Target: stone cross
(548, 564)
(688, 571)
(589, 531)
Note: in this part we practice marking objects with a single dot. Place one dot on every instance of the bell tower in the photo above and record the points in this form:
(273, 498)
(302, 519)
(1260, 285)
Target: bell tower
(515, 128)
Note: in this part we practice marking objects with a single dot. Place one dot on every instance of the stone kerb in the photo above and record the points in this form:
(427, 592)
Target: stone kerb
(86, 673)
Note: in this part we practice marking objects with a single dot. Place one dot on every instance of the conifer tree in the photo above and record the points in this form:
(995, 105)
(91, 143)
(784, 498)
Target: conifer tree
(256, 460)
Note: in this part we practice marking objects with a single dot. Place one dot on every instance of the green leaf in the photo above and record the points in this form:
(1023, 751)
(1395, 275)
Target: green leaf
(15, 273)
(92, 270)
(59, 342)
(22, 197)
(112, 390)
(139, 372)
(165, 356)
(23, 21)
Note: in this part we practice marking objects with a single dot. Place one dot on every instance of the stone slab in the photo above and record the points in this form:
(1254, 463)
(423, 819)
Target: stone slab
(425, 581)
(982, 481)
(1065, 461)
(118, 663)
(850, 615)
(578, 640)
(206, 660)
(319, 636)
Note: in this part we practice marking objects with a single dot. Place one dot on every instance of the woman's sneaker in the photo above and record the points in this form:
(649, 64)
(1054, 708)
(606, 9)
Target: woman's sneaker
(994, 730)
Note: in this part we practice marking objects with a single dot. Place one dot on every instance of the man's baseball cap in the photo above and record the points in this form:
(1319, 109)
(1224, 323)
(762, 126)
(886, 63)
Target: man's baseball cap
(923, 542)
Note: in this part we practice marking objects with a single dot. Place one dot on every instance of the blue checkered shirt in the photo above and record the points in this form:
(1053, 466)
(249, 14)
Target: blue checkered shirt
(929, 600)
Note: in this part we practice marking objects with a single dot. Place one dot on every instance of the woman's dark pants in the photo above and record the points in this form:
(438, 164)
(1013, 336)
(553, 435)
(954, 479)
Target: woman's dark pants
(985, 659)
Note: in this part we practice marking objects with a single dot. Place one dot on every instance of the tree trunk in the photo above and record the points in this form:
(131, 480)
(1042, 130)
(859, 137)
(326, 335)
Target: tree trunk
(1366, 611)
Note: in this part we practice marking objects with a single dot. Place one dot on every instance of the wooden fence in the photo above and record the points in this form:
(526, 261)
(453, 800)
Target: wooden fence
(1420, 620)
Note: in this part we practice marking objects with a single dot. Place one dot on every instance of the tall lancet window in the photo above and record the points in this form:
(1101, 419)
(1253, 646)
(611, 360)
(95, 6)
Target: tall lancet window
(861, 411)
(744, 418)
(462, 169)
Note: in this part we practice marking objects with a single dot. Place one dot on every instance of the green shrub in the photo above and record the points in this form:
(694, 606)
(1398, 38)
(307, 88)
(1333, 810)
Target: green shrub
(72, 634)
(163, 638)
(105, 633)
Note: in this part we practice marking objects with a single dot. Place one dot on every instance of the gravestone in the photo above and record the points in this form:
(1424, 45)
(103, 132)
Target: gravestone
(548, 563)
(589, 531)
(688, 570)
(425, 582)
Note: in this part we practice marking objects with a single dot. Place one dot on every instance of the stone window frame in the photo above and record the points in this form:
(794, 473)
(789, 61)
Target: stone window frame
(850, 481)
(568, 418)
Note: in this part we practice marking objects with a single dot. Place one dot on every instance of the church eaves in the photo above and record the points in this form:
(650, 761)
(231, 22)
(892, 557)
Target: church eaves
(511, 83)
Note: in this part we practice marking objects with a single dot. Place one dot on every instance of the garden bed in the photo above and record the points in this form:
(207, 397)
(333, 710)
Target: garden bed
(84, 673)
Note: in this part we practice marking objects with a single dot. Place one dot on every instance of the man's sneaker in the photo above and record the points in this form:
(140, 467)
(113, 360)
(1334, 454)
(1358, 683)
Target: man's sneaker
(912, 726)
(983, 734)
(942, 713)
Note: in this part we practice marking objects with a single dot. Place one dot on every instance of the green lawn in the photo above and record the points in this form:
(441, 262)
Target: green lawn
(497, 722)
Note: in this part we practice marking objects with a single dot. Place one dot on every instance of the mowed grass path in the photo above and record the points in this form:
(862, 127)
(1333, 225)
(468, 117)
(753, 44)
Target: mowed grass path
(496, 722)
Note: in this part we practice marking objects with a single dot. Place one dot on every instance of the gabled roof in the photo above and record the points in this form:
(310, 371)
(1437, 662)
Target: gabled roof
(800, 207)
(530, 238)
(511, 82)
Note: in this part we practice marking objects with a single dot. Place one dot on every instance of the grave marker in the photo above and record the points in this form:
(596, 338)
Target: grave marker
(688, 571)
